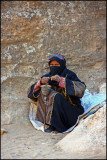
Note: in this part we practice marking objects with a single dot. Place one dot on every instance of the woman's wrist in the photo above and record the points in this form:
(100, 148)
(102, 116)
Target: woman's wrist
(37, 86)
(62, 82)
(58, 78)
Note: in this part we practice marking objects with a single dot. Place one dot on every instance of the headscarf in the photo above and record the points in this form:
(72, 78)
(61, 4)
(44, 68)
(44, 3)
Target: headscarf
(61, 70)
(57, 69)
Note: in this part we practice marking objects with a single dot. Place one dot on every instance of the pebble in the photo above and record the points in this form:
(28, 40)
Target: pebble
(57, 147)
(3, 131)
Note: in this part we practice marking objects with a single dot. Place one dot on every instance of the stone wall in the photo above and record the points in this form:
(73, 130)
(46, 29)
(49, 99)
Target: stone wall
(33, 30)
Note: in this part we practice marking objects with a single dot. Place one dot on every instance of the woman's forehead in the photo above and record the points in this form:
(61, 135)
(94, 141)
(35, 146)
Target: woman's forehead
(54, 61)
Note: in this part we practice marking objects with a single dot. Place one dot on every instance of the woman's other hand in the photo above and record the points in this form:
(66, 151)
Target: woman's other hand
(56, 78)
(44, 80)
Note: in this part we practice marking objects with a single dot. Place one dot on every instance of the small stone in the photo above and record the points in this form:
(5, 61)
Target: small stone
(57, 147)
(34, 155)
(3, 131)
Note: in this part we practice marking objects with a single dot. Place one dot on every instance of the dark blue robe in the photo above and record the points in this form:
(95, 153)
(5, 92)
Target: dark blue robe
(66, 107)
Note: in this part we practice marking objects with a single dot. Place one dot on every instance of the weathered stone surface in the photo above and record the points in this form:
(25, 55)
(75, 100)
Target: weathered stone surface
(102, 88)
(88, 138)
(33, 30)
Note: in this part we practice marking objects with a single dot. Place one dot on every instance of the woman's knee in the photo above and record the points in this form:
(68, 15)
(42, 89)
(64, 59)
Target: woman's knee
(58, 97)
(57, 103)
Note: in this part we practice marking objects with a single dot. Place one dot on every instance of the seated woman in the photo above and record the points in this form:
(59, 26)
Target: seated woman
(61, 107)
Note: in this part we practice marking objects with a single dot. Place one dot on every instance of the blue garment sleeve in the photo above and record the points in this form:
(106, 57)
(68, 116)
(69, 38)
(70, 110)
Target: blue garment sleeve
(74, 87)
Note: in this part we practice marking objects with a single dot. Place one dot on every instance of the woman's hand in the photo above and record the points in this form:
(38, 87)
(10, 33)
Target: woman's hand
(44, 80)
(56, 78)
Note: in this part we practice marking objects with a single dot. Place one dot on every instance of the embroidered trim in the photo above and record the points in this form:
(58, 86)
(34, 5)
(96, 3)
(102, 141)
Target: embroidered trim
(71, 101)
(65, 87)
(34, 95)
(74, 87)
(37, 86)
(36, 109)
(79, 88)
(62, 82)
(52, 107)
(29, 90)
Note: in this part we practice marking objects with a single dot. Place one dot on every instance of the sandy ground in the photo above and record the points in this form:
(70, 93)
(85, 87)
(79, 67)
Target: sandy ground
(23, 141)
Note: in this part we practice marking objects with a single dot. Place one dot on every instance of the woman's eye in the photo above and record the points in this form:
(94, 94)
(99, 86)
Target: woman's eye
(54, 65)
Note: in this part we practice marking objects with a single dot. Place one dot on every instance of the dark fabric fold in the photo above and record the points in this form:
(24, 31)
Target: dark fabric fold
(67, 105)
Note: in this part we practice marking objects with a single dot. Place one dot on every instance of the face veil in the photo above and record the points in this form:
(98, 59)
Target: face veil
(57, 69)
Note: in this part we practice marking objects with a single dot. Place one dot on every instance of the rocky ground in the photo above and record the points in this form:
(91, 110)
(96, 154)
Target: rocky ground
(23, 141)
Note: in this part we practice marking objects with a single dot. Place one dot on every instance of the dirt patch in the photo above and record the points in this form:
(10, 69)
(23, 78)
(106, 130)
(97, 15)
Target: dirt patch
(23, 141)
